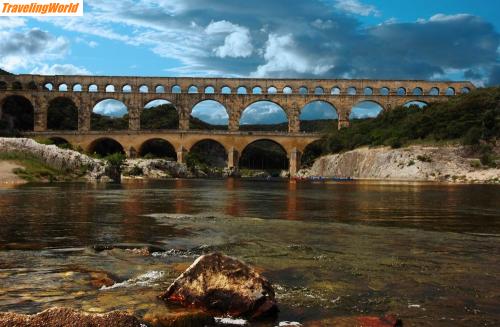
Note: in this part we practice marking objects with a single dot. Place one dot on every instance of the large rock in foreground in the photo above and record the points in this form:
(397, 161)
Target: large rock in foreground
(222, 284)
(63, 317)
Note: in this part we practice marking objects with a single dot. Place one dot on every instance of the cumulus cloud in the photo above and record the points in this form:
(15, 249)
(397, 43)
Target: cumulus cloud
(356, 7)
(211, 112)
(237, 43)
(11, 22)
(263, 112)
(111, 108)
(23, 49)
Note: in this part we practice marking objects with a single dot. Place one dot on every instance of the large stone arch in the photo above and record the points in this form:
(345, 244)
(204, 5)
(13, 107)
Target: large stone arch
(157, 114)
(218, 103)
(158, 147)
(263, 156)
(98, 121)
(105, 142)
(62, 113)
(24, 119)
(247, 106)
(353, 110)
(316, 108)
(209, 151)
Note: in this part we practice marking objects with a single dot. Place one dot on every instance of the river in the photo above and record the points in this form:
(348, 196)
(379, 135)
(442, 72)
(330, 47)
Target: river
(428, 253)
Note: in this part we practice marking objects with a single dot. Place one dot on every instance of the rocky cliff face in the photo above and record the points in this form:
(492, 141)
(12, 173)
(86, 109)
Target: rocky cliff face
(412, 163)
(56, 157)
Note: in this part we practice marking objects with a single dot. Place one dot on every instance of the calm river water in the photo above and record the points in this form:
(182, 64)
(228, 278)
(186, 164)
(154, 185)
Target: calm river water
(427, 253)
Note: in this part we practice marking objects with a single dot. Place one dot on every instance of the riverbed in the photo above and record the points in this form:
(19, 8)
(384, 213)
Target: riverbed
(427, 253)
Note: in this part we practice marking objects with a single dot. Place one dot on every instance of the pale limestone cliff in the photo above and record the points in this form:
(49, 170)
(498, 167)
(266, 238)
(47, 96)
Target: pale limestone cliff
(420, 163)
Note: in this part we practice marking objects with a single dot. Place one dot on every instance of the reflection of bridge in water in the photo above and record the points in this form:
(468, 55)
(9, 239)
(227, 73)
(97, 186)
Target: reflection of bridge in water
(236, 95)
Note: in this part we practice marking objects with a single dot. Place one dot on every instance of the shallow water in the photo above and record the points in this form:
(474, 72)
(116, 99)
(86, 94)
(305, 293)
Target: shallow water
(428, 253)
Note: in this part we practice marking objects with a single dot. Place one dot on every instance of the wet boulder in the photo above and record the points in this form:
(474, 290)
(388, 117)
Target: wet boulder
(62, 317)
(223, 285)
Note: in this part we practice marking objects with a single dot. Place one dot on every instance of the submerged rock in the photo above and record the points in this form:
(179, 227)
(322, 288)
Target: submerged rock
(216, 282)
(63, 317)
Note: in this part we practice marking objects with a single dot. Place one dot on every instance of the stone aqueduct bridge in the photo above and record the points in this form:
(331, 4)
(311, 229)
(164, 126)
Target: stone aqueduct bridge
(234, 94)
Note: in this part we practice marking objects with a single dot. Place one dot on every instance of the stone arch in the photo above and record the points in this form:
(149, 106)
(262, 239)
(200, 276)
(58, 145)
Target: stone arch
(77, 87)
(311, 152)
(93, 88)
(193, 89)
(225, 90)
(209, 90)
(159, 114)
(303, 90)
(272, 90)
(62, 114)
(365, 109)
(434, 91)
(109, 114)
(241, 90)
(465, 90)
(450, 91)
(351, 90)
(104, 146)
(267, 116)
(60, 141)
(127, 88)
(401, 91)
(63, 87)
(368, 91)
(384, 90)
(335, 90)
(110, 88)
(314, 112)
(264, 154)
(3, 85)
(417, 91)
(18, 112)
(418, 103)
(32, 86)
(209, 152)
(143, 89)
(159, 89)
(209, 114)
(318, 90)
(157, 148)
(17, 86)
(176, 89)
(287, 90)
(48, 87)
(257, 90)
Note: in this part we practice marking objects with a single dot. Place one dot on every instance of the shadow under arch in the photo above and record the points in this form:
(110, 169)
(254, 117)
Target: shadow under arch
(109, 114)
(317, 116)
(365, 109)
(62, 114)
(311, 152)
(60, 142)
(17, 113)
(157, 148)
(264, 154)
(105, 146)
(208, 152)
(264, 115)
(209, 115)
(159, 114)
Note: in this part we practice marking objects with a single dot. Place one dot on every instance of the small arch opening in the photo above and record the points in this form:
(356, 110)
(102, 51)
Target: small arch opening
(465, 90)
(434, 91)
(159, 89)
(335, 90)
(417, 91)
(303, 90)
(450, 91)
(17, 86)
(193, 89)
(176, 89)
(110, 88)
(384, 91)
(287, 90)
(318, 90)
(241, 90)
(351, 90)
(93, 88)
(226, 90)
(368, 91)
(209, 90)
(257, 90)
(63, 88)
(143, 89)
(127, 88)
(272, 90)
(48, 87)
(77, 88)
(401, 91)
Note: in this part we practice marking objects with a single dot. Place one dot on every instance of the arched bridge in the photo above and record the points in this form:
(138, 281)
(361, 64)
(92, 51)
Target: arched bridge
(235, 94)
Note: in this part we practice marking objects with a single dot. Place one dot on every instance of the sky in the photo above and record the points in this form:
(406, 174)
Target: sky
(381, 39)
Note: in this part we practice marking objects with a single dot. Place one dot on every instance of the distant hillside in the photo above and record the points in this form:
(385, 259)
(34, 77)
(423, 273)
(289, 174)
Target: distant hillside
(3, 72)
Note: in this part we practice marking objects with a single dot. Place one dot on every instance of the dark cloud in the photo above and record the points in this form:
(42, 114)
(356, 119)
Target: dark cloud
(494, 78)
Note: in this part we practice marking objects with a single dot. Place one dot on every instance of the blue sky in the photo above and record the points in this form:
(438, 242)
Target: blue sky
(446, 39)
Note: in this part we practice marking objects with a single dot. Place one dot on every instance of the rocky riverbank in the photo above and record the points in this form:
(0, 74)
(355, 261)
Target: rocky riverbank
(416, 163)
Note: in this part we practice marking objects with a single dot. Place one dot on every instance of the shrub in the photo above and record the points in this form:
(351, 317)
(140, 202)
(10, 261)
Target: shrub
(424, 158)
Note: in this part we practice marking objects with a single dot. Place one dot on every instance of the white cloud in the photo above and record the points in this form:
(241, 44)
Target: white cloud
(447, 18)
(110, 108)
(238, 42)
(60, 69)
(356, 7)
(282, 55)
(11, 22)
(21, 50)
(263, 112)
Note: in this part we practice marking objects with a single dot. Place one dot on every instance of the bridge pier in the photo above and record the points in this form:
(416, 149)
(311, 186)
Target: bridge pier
(232, 158)
(294, 164)
(343, 123)
(40, 121)
(181, 154)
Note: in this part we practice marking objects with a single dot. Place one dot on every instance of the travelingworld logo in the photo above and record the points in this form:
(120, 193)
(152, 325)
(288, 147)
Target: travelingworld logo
(41, 8)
